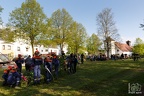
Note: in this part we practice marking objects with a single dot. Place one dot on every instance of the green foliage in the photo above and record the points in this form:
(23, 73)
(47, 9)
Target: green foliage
(138, 47)
(77, 37)
(47, 38)
(138, 41)
(28, 21)
(60, 21)
(93, 44)
(7, 35)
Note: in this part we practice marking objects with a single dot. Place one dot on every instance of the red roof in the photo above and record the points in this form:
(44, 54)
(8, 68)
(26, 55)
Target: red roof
(123, 47)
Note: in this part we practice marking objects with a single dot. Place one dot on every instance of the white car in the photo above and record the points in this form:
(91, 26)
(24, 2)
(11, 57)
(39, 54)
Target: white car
(5, 61)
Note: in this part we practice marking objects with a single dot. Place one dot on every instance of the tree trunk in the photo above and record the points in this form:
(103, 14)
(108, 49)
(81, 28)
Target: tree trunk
(32, 45)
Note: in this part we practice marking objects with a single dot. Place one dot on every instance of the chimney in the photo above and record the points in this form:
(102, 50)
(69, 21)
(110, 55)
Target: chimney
(128, 43)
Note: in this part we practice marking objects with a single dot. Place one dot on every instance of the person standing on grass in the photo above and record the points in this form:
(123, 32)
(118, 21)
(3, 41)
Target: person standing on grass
(75, 62)
(122, 56)
(56, 64)
(37, 61)
(48, 66)
(19, 61)
(28, 63)
(82, 58)
(71, 63)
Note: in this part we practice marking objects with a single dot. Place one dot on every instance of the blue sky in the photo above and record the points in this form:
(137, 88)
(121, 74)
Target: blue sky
(128, 14)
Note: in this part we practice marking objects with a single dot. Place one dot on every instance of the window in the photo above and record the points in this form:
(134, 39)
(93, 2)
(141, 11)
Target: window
(27, 49)
(3, 47)
(18, 48)
(46, 50)
(9, 47)
(55, 51)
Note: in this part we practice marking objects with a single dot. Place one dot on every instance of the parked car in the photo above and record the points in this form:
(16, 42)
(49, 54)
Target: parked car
(5, 61)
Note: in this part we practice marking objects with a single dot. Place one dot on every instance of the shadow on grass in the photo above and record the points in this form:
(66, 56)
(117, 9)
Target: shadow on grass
(108, 78)
(115, 82)
(23, 91)
(31, 92)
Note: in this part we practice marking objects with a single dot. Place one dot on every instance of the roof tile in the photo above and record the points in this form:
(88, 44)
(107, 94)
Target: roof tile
(123, 47)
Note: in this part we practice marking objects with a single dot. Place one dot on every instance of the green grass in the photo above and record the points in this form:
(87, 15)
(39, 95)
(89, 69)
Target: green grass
(97, 78)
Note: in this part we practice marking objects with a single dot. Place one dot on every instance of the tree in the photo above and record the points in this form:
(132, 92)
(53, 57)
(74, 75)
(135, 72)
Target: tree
(138, 41)
(48, 38)
(107, 30)
(61, 21)
(7, 35)
(28, 22)
(0, 15)
(93, 44)
(77, 37)
(138, 46)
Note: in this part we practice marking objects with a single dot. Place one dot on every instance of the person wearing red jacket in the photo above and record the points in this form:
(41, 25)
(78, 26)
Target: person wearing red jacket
(37, 61)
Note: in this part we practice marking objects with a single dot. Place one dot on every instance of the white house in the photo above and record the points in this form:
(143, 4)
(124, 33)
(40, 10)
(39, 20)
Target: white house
(18, 47)
(119, 48)
(13, 49)
(22, 48)
(46, 50)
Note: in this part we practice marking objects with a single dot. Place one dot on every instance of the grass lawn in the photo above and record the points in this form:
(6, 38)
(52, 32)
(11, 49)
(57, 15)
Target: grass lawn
(97, 78)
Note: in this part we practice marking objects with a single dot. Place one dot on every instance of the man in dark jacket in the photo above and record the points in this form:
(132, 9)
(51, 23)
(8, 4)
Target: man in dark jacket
(48, 67)
(28, 63)
(56, 64)
(19, 61)
(75, 61)
(82, 58)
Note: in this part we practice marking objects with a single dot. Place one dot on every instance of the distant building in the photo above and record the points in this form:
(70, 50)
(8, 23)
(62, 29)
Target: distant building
(118, 48)
(12, 50)
(46, 50)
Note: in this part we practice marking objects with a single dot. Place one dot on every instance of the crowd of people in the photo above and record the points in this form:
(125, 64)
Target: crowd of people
(50, 64)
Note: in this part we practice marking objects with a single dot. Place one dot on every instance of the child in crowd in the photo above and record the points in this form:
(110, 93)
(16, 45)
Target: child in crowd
(48, 67)
(11, 76)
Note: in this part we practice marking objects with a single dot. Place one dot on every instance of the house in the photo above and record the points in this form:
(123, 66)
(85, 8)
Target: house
(45, 50)
(118, 48)
(12, 50)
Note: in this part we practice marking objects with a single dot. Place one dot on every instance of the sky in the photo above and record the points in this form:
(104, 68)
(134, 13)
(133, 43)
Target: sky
(128, 14)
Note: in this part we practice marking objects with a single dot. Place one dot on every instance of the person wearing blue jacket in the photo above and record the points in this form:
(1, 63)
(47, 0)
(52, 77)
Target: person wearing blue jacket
(56, 64)
(13, 77)
(5, 76)
(48, 67)
(75, 62)
(28, 63)
(37, 61)
(19, 61)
